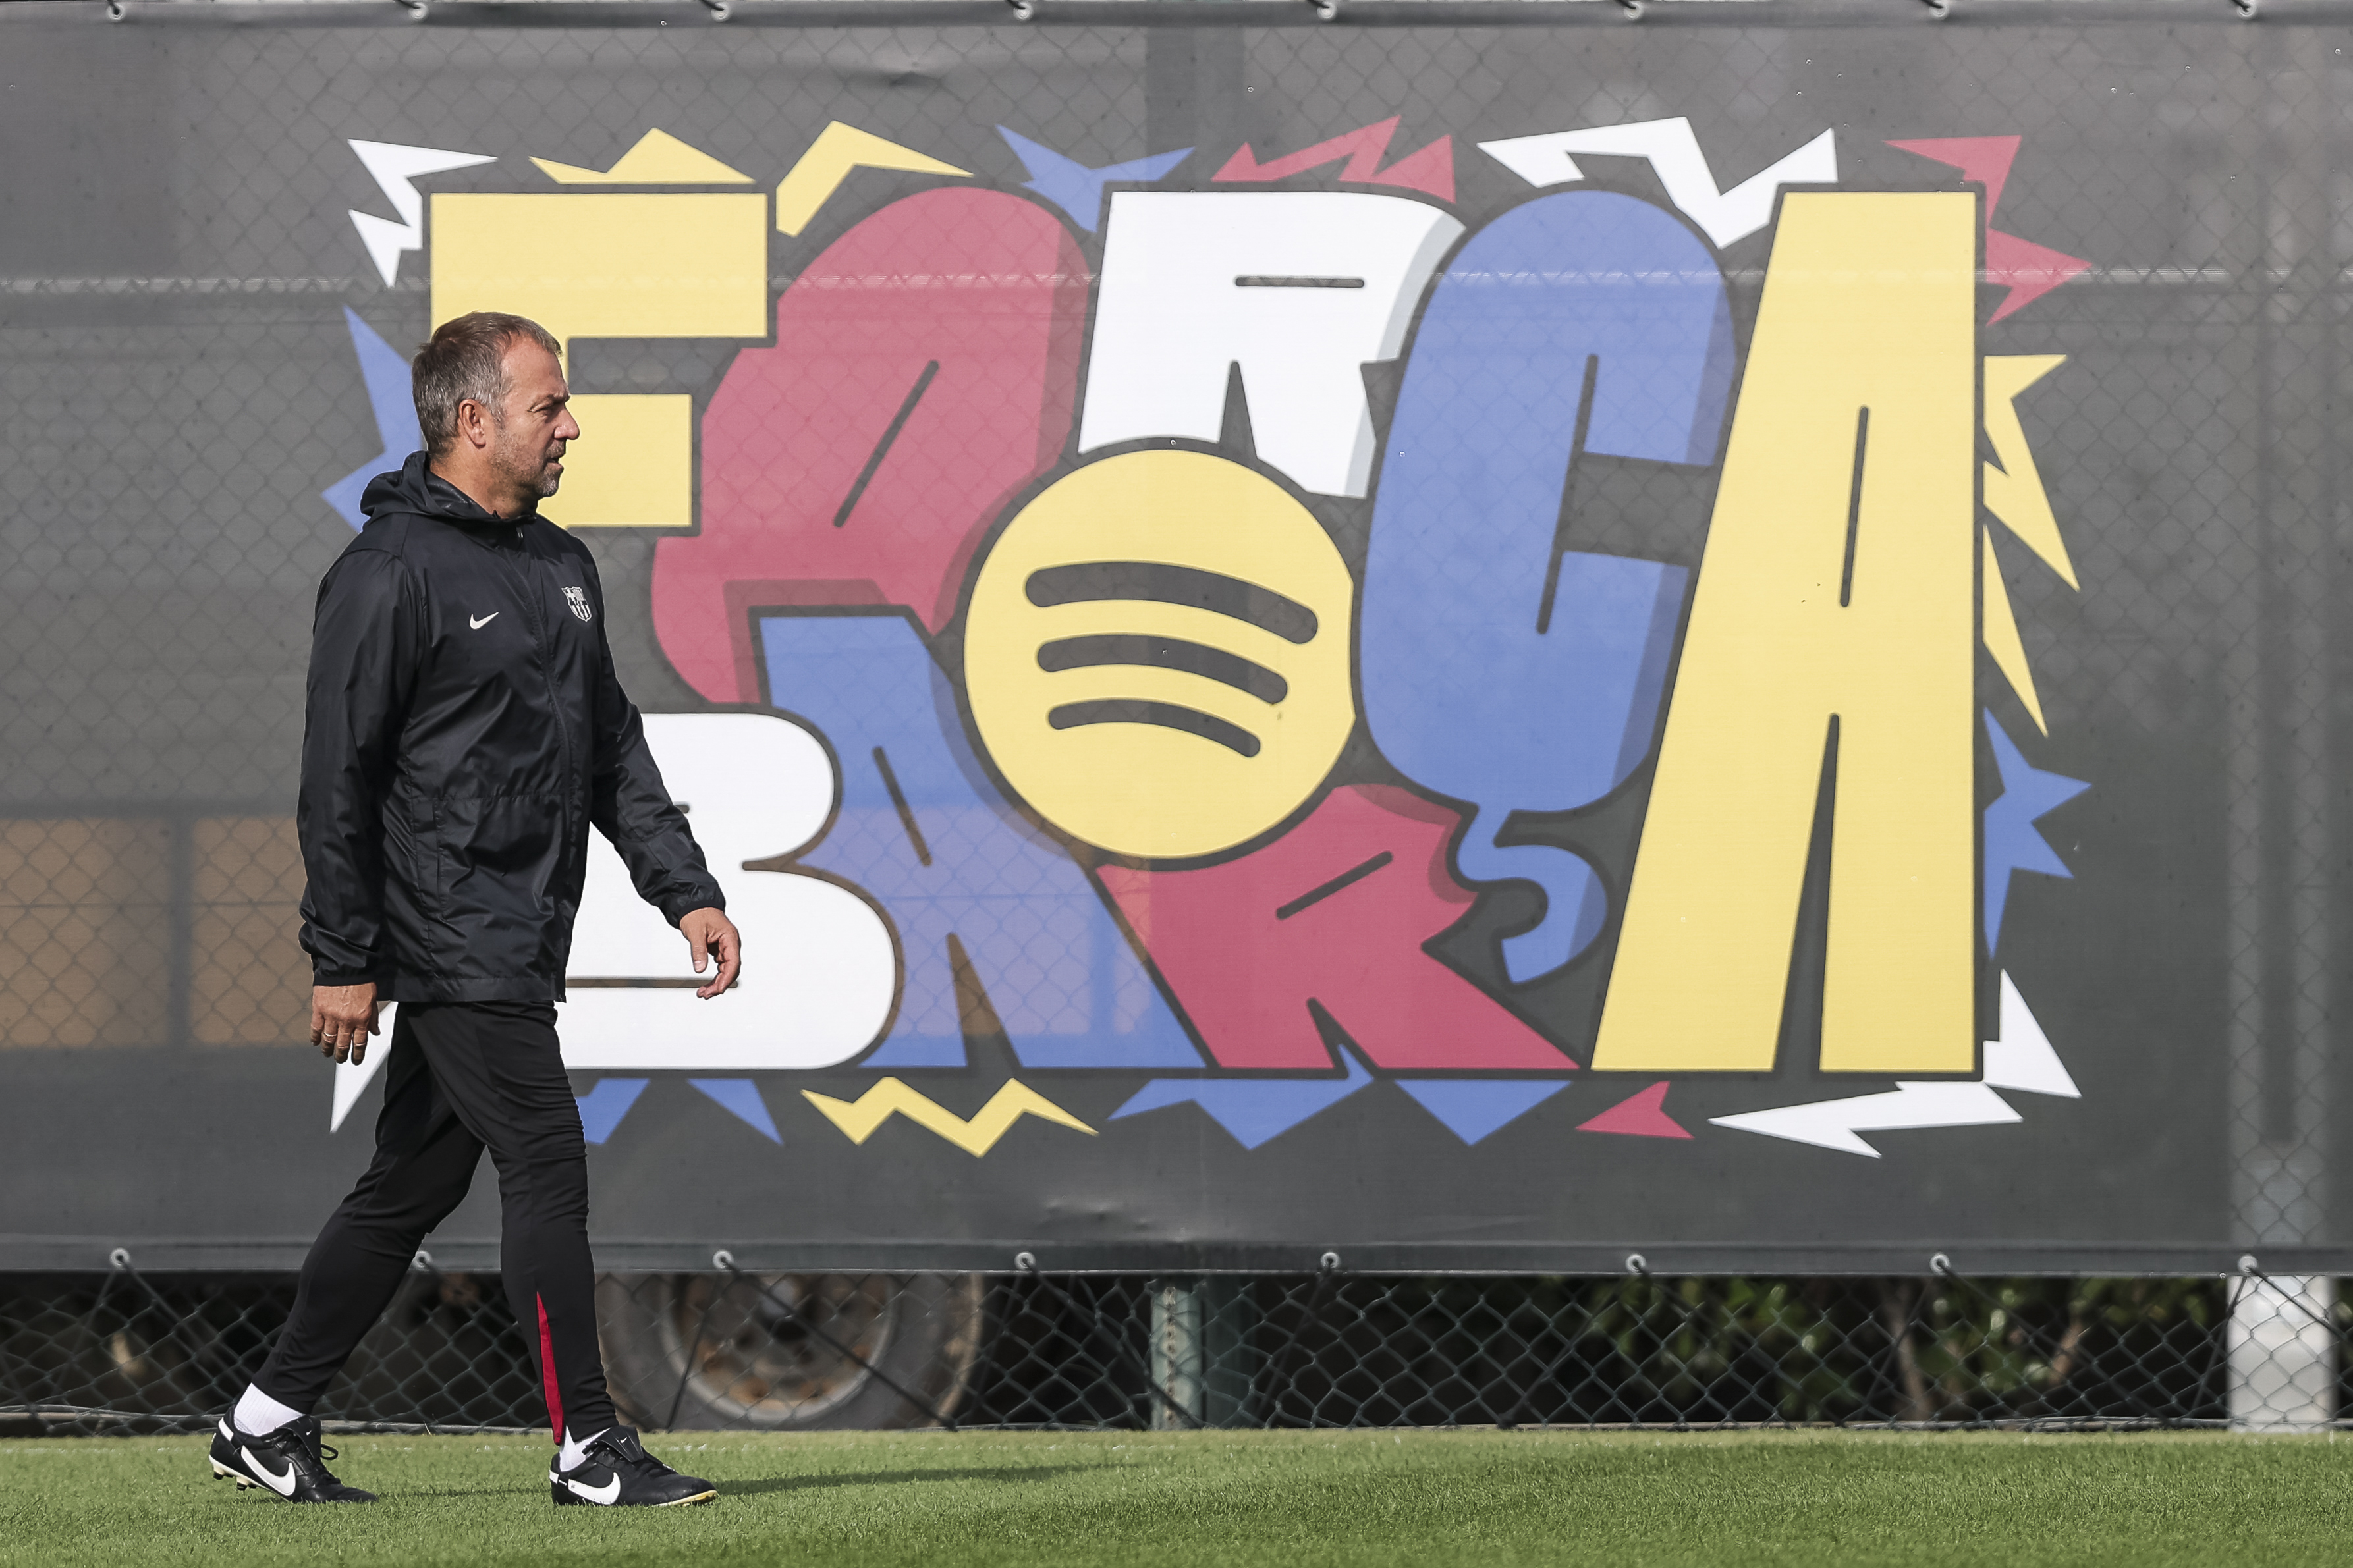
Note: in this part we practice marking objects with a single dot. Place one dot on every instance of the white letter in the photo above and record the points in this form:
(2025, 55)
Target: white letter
(819, 962)
(1300, 288)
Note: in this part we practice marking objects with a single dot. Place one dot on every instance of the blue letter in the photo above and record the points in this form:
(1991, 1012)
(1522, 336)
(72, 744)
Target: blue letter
(1490, 674)
(922, 832)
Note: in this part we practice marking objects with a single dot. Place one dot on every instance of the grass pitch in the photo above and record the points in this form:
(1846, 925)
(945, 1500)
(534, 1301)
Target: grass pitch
(1222, 1500)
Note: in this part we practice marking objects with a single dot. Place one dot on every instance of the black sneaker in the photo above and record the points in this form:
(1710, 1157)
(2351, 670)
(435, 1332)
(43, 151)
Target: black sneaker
(290, 1462)
(615, 1471)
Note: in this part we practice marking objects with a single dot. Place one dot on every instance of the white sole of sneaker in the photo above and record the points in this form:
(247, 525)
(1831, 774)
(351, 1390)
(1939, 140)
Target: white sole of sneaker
(243, 1483)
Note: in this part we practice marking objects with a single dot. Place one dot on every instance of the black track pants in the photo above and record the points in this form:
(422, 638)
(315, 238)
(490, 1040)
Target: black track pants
(462, 1077)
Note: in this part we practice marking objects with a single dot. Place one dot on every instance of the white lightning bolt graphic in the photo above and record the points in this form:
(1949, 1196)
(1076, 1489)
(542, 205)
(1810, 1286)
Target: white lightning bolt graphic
(1674, 151)
(2021, 1062)
(394, 167)
(353, 1077)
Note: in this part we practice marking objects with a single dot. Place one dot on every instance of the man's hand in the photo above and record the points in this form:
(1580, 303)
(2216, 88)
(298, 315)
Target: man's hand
(342, 1019)
(711, 932)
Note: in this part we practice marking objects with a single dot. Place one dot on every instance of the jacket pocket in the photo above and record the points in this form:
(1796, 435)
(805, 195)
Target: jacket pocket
(498, 859)
(412, 861)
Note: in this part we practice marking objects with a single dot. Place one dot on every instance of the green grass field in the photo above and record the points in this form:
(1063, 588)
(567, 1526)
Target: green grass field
(1284, 1499)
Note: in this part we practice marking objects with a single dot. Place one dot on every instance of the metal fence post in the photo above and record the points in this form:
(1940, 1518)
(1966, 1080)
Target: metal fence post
(1195, 92)
(2283, 1355)
(1178, 1369)
(1203, 1359)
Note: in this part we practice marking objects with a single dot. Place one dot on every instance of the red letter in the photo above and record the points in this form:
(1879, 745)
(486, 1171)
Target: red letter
(1334, 912)
(923, 373)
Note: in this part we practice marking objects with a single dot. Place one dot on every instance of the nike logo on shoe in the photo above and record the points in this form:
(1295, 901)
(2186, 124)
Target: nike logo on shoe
(484, 621)
(631, 1476)
(607, 1494)
(237, 1457)
(283, 1485)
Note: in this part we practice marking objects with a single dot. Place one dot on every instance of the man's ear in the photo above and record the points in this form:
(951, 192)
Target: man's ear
(474, 422)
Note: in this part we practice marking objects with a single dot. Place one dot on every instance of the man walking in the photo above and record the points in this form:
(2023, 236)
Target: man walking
(464, 730)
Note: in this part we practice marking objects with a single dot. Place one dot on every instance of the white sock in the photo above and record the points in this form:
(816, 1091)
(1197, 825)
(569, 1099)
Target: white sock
(577, 1449)
(257, 1414)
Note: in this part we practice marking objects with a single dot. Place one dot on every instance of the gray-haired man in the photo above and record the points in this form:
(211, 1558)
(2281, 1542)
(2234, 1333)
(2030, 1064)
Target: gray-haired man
(464, 730)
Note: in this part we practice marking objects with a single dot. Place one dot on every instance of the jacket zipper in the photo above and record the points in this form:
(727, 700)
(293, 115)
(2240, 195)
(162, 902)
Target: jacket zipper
(545, 644)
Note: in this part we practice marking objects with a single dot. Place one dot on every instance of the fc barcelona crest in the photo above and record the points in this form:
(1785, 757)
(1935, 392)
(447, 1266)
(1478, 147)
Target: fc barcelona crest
(578, 599)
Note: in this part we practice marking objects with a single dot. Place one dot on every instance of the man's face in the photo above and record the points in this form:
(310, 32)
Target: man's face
(533, 423)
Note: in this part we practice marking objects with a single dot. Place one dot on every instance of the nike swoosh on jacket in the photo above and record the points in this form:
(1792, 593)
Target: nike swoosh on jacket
(450, 774)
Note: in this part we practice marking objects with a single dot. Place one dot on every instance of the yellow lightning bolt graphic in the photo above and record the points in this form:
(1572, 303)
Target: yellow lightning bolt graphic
(658, 159)
(860, 1117)
(1997, 625)
(838, 149)
(2014, 492)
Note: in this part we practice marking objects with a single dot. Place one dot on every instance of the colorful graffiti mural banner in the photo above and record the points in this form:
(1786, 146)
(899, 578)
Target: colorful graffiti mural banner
(1460, 686)
(1008, 540)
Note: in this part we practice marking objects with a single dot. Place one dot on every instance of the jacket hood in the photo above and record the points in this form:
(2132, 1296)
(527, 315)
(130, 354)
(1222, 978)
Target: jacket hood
(416, 489)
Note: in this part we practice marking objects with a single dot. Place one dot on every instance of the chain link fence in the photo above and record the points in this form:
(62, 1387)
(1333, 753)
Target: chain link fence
(161, 327)
(126, 1351)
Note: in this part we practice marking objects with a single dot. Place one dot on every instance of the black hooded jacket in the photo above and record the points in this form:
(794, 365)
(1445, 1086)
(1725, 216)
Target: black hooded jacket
(463, 730)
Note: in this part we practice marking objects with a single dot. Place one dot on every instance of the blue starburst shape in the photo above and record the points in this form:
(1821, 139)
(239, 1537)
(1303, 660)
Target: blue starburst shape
(390, 400)
(1077, 189)
(1254, 1110)
(2012, 842)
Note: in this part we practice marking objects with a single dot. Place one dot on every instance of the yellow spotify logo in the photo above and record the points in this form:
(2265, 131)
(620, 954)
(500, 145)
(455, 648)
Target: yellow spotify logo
(1158, 654)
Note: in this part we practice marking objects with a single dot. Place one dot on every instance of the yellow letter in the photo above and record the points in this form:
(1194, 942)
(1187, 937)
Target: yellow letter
(1821, 596)
(598, 266)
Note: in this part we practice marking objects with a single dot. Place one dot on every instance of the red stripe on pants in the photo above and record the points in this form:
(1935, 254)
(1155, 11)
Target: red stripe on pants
(547, 1371)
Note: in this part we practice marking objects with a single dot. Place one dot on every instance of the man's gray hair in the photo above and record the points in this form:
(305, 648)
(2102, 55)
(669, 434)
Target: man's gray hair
(466, 361)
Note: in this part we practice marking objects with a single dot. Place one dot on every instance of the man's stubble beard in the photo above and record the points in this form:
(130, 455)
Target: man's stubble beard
(529, 473)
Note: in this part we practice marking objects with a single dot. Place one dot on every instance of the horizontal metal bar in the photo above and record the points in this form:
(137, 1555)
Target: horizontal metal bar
(1283, 14)
(153, 288)
(162, 1255)
(2196, 279)
(149, 809)
(152, 1422)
